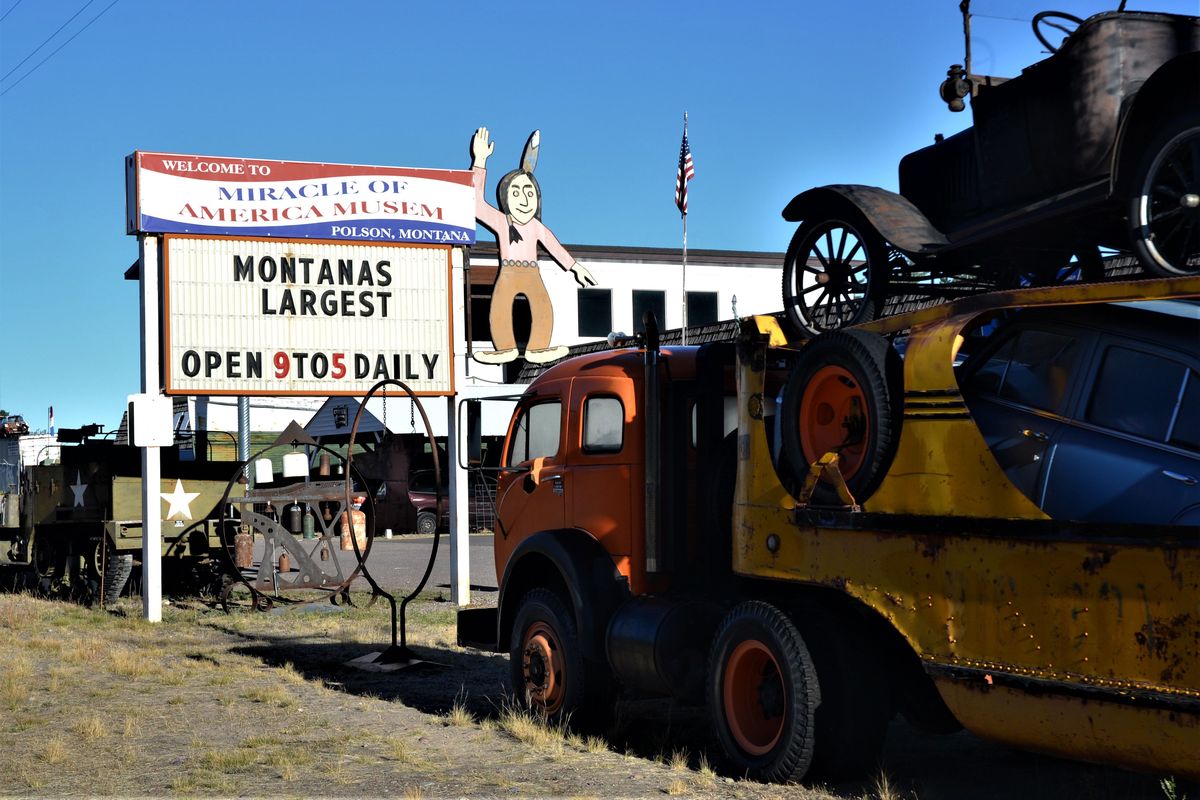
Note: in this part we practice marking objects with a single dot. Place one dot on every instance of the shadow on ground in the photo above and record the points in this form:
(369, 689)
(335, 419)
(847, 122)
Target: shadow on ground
(917, 765)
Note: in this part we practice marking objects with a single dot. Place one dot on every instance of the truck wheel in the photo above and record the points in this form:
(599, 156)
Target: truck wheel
(763, 693)
(117, 568)
(835, 274)
(549, 672)
(426, 522)
(845, 394)
(1164, 211)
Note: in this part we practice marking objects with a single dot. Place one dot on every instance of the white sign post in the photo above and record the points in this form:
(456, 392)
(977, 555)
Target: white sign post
(151, 464)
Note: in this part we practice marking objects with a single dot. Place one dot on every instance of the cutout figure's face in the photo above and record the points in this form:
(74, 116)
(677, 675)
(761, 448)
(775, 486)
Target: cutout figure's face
(522, 199)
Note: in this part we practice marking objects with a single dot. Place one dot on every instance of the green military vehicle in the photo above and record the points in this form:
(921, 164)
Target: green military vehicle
(80, 521)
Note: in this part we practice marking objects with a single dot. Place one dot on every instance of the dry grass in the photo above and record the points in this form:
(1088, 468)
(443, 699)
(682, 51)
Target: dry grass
(91, 727)
(676, 788)
(54, 751)
(884, 790)
(706, 770)
(679, 760)
(270, 695)
(230, 761)
(458, 717)
(532, 730)
(595, 744)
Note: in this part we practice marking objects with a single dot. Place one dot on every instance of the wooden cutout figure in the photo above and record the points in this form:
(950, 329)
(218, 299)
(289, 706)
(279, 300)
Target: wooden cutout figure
(517, 225)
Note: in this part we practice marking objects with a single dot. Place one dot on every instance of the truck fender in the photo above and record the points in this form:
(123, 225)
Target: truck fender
(573, 563)
(895, 218)
(1164, 94)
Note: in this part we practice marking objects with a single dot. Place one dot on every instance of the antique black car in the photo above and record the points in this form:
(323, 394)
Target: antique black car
(1097, 146)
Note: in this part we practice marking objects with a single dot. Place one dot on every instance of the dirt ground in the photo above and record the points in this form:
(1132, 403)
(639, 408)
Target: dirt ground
(251, 704)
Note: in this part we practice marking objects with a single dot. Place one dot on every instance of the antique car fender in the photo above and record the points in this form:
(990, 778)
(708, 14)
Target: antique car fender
(895, 218)
(1164, 94)
(571, 562)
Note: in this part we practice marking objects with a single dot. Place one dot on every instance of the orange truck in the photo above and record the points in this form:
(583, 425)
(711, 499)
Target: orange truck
(811, 537)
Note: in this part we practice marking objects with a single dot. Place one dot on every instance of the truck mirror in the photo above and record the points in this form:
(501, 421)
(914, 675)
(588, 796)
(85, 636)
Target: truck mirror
(474, 432)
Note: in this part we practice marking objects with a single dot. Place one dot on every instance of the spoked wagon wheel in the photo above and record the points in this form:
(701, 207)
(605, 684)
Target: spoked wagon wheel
(1164, 212)
(835, 274)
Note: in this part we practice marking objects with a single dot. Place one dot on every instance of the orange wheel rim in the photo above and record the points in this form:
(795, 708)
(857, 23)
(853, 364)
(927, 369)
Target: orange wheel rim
(542, 667)
(833, 416)
(754, 697)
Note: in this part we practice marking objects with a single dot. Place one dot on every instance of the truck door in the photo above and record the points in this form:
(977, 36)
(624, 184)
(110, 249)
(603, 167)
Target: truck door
(531, 487)
(605, 472)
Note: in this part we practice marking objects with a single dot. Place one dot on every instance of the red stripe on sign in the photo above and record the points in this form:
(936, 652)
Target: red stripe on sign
(216, 168)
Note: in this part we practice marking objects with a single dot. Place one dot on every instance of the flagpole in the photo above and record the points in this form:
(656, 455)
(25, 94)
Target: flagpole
(684, 280)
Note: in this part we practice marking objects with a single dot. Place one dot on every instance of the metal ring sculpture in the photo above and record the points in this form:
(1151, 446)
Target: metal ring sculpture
(399, 649)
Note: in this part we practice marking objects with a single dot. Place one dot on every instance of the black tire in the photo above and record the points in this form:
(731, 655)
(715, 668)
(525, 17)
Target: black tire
(856, 703)
(1164, 205)
(848, 281)
(836, 374)
(549, 672)
(763, 694)
(117, 568)
(426, 522)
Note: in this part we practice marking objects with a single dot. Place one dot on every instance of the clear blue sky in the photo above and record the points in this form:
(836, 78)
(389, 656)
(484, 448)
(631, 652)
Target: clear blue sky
(782, 96)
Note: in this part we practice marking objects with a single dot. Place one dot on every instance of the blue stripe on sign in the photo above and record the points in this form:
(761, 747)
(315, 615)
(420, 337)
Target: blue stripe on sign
(369, 230)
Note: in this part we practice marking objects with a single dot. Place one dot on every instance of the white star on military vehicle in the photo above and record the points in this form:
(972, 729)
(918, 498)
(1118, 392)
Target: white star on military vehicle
(78, 488)
(181, 501)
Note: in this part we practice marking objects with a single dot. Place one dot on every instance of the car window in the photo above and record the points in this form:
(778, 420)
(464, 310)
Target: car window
(536, 433)
(603, 425)
(1186, 431)
(987, 378)
(1136, 393)
(1033, 369)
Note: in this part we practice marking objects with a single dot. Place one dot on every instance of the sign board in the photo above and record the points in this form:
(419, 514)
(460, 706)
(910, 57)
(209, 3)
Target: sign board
(247, 197)
(315, 318)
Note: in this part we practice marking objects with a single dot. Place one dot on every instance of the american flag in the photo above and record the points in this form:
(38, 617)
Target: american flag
(686, 171)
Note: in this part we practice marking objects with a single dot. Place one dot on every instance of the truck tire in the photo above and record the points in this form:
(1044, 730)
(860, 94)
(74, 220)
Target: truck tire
(426, 522)
(549, 672)
(1164, 215)
(117, 568)
(845, 393)
(763, 694)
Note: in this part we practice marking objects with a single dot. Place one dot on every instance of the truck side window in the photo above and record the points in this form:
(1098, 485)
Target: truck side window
(1136, 393)
(603, 425)
(536, 433)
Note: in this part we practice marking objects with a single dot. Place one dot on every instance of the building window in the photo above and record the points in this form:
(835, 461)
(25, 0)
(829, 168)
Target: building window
(644, 301)
(595, 312)
(701, 308)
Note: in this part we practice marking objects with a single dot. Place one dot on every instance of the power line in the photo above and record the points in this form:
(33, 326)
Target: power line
(61, 46)
(46, 40)
(10, 10)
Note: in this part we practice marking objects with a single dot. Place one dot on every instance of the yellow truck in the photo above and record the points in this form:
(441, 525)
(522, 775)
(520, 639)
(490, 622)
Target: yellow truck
(811, 537)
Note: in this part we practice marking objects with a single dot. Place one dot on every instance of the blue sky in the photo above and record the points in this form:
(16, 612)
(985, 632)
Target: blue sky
(782, 96)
